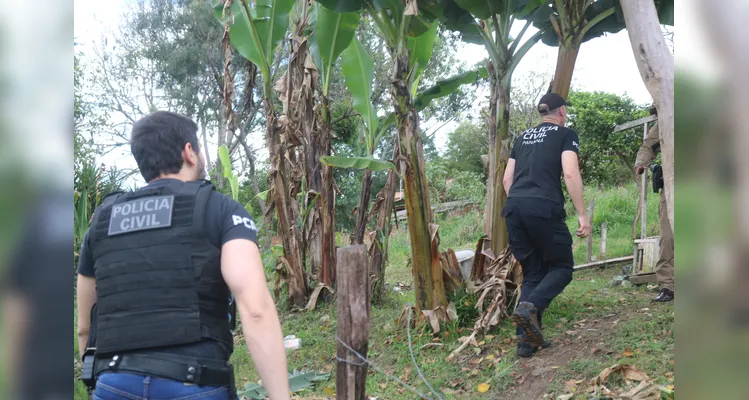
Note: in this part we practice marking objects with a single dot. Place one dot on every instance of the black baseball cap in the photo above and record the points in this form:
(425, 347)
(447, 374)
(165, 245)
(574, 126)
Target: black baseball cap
(550, 102)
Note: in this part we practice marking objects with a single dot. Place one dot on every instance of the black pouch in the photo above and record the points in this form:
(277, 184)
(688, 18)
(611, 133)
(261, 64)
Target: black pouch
(657, 177)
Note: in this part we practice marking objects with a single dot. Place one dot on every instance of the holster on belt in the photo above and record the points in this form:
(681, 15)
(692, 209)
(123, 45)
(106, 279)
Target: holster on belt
(88, 374)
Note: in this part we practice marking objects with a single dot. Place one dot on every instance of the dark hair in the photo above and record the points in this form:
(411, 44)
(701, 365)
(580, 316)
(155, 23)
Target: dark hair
(157, 141)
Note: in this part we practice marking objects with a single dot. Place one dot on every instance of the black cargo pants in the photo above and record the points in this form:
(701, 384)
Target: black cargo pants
(541, 241)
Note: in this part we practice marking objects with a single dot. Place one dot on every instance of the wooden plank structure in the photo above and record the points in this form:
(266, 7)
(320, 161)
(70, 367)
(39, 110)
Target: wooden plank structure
(353, 322)
(604, 263)
(636, 257)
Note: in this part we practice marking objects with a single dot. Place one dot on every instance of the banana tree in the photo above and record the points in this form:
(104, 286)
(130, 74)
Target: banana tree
(488, 23)
(300, 126)
(255, 31)
(358, 71)
(569, 23)
(333, 33)
(409, 32)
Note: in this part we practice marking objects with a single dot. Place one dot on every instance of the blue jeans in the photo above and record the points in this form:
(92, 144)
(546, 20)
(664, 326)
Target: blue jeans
(128, 386)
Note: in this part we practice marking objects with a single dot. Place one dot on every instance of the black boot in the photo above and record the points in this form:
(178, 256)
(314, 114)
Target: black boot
(526, 318)
(665, 295)
(526, 350)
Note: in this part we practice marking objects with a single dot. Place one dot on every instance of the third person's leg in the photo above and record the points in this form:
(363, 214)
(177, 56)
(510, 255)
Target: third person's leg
(664, 268)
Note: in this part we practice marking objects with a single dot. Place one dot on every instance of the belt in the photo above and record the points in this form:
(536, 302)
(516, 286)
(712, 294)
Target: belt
(169, 366)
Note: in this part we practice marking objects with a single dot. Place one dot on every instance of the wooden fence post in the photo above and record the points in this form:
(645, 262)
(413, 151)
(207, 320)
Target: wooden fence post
(591, 209)
(352, 290)
(603, 241)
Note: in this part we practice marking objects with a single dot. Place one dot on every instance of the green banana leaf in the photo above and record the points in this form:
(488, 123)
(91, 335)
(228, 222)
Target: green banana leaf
(334, 32)
(223, 154)
(358, 70)
(255, 32)
(420, 51)
(357, 163)
(448, 86)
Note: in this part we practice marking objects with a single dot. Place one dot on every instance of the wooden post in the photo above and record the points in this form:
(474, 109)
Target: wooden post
(591, 209)
(644, 194)
(603, 241)
(353, 322)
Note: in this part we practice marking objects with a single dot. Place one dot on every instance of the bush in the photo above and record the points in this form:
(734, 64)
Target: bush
(464, 185)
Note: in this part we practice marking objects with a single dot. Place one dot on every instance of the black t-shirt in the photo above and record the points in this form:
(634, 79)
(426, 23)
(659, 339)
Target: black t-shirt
(538, 161)
(226, 220)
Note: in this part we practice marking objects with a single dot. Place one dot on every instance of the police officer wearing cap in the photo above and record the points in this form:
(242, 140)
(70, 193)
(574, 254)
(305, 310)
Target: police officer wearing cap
(157, 269)
(535, 216)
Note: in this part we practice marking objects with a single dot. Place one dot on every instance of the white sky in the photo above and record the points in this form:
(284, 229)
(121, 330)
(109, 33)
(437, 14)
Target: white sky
(603, 64)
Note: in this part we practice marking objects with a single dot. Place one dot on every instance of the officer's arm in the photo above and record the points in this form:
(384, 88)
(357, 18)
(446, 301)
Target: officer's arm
(85, 298)
(242, 269)
(646, 154)
(573, 180)
(509, 175)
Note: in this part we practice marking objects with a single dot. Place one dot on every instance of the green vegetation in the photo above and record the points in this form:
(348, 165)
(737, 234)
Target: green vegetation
(399, 77)
(589, 296)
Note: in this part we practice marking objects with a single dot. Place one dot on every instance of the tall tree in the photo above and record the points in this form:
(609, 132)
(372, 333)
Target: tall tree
(569, 23)
(256, 33)
(608, 156)
(489, 23)
(333, 33)
(656, 65)
(168, 55)
(410, 40)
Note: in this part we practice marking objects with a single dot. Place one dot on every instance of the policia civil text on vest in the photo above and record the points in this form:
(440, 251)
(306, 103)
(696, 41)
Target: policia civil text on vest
(158, 284)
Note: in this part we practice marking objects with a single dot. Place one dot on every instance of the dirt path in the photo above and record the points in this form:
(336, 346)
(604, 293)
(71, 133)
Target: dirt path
(534, 375)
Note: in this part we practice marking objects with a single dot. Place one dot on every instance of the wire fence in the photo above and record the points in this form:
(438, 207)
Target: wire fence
(364, 360)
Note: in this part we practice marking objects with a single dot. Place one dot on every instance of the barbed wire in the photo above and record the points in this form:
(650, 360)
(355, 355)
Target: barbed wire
(365, 360)
(413, 358)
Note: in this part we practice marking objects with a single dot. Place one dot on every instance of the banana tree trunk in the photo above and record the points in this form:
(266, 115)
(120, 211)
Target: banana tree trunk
(566, 58)
(379, 250)
(501, 153)
(427, 271)
(285, 208)
(499, 125)
(313, 226)
(656, 65)
(361, 219)
(327, 204)
(493, 99)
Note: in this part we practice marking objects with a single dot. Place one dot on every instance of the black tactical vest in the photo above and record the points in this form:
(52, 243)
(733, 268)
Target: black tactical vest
(158, 278)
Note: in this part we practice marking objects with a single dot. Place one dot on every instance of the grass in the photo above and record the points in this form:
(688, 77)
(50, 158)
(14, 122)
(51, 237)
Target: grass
(616, 207)
(648, 334)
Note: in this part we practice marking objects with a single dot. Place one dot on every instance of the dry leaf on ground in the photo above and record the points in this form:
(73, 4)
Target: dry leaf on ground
(630, 373)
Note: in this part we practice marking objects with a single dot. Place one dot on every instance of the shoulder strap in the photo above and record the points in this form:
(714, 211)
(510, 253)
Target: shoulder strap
(199, 192)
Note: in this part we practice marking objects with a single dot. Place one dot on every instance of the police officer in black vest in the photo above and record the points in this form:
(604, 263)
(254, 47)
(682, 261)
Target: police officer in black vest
(158, 267)
(535, 215)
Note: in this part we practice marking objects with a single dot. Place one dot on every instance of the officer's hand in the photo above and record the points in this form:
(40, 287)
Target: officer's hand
(583, 229)
(639, 169)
